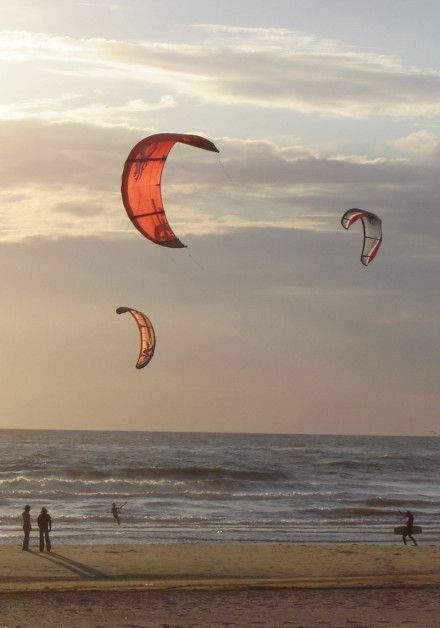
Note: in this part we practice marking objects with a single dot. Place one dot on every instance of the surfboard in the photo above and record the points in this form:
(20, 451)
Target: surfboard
(401, 529)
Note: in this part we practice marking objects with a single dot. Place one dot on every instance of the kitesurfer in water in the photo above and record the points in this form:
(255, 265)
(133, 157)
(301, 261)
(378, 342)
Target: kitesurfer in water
(26, 514)
(45, 525)
(407, 531)
(115, 512)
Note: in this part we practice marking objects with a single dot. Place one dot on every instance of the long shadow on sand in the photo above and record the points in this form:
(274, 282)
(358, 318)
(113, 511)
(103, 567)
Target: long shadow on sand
(72, 565)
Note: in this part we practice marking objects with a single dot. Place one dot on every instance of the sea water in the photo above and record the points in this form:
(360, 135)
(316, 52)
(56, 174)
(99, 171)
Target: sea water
(191, 487)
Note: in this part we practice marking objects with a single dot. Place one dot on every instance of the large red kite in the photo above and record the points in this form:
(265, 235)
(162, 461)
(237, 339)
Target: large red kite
(141, 184)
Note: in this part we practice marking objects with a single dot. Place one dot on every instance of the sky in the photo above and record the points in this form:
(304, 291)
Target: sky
(267, 322)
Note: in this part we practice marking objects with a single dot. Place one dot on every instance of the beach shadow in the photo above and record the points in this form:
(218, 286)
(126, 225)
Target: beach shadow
(72, 565)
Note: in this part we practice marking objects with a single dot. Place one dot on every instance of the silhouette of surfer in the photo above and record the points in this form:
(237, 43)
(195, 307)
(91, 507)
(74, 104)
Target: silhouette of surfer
(26, 514)
(407, 531)
(45, 525)
(115, 512)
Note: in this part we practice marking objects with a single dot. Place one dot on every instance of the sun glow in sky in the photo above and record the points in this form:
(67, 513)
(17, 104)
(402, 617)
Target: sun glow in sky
(267, 322)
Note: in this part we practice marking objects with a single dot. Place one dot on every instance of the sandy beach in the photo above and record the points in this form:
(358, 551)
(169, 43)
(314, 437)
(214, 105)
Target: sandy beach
(215, 585)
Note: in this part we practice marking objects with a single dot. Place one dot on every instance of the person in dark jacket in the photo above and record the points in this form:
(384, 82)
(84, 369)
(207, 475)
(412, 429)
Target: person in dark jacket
(45, 525)
(26, 514)
(409, 521)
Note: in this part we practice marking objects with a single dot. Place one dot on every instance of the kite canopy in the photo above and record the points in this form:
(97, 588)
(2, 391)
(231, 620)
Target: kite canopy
(146, 331)
(372, 226)
(141, 184)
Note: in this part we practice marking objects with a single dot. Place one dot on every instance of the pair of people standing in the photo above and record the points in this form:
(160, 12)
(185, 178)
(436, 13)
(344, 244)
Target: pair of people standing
(44, 524)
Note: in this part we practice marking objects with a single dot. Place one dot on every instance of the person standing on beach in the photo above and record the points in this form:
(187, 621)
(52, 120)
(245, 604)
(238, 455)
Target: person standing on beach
(45, 525)
(407, 531)
(26, 514)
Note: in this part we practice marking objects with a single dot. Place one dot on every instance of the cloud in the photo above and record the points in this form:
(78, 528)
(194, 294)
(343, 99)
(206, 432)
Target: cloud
(76, 108)
(274, 69)
(54, 155)
(416, 315)
(62, 179)
(111, 6)
(41, 213)
(88, 207)
(423, 142)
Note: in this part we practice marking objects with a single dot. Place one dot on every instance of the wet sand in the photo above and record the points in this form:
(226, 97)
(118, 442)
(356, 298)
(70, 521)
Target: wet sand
(219, 585)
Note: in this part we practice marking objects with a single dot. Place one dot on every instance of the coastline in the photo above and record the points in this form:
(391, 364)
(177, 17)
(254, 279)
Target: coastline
(210, 584)
(196, 566)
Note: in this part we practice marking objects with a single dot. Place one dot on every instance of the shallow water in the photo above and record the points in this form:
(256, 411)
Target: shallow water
(184, 487)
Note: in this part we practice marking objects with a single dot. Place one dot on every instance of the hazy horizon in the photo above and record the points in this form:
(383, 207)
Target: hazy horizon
(220, 433)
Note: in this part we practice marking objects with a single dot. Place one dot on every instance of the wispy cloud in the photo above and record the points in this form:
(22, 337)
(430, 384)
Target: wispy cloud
(272, 68)
(79, 109)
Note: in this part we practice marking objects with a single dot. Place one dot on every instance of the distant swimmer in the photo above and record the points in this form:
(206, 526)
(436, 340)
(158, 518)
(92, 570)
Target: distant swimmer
(409, 525)
(115, 512)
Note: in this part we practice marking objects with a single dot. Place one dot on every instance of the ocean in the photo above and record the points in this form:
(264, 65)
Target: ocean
(218, 488)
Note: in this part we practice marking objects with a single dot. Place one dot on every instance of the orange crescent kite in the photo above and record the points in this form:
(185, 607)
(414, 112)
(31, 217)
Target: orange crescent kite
(141, 184)
(146, 331)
